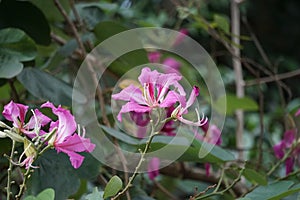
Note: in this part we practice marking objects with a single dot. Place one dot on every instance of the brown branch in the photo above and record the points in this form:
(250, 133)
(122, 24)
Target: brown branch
(273, 78)
(237, 66)
(72, 25)
(203, 192)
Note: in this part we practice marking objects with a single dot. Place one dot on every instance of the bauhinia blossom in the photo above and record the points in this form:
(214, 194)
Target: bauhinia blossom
(183, 106)
(155, 93)
(16, 113)
(285, 144)
(153, 168)
(65, 139)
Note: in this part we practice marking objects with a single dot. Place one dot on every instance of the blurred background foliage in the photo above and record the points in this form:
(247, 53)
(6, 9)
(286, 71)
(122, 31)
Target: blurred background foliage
(40, 55)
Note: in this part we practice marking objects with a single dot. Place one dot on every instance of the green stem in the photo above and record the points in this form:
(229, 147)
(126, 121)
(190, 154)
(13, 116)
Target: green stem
(235, 181)
(22, 187)
(143, 153)
(8, 192)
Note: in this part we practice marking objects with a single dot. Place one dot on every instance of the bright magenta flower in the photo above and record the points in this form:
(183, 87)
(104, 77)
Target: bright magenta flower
(65, 139)
(16, 113)
(153, 168)
(155, 93)
(286, 143)
(183, 106)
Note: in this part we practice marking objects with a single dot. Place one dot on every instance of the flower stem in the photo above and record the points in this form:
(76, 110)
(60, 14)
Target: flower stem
(22, 186)
(143, 153)
(8, 192)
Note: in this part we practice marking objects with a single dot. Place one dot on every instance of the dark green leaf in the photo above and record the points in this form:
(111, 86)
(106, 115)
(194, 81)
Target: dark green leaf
(24, 15)
(96, 195)
(89, 168)
(255, 177)
(113, 186)
(15, 47)
(55, 171)
(274, 191)
(106, 29)
(47, 194)
(47, 87)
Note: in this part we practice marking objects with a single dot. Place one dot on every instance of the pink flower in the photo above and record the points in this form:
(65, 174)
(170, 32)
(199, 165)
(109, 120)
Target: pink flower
(154, 57)
(183, 106)
(297, 113)
(65, 139)
(155, 93)
(182, 33)
(16, 113)
(212, 135)
(173, 65)
(153, 168)
(286, 143)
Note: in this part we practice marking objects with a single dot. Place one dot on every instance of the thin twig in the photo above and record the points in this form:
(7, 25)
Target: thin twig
(203, 192)
(72, 25)
(9, 170)
(142, 159)
(273, 78)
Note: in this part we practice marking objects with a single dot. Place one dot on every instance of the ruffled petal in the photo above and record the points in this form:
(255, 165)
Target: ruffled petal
(66, 122)
(15, 113)
(130, 93)
(75, 143)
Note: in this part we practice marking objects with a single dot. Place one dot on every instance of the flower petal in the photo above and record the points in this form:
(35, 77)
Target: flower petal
(297, 113)
(66, 122)
(289, 137)
(130, 93)
(289, 165)
(75, 143)
(173, 66)
(154, 57)
(171, 98)
(148, 76)
(153, 168)
(132, 106)
(15, 113)
(279, 149)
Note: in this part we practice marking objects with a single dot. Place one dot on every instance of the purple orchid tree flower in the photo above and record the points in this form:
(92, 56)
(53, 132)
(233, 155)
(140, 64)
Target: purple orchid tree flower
(156, 93)
(183, 106)
(212, 135)
(65, 139)
(153, 168)
(286, 143)
(16, 113)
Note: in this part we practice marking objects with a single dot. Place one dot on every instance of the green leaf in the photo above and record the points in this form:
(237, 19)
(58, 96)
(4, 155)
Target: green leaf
(233, 103)
(47, 194)
(26, 16)
(255, 177)
(15, 47)
(55, 171)
(106, 29)
(214, 154)
(113, 186)
(274, 191)
(222, 22)
(95, 195)
(45, 86)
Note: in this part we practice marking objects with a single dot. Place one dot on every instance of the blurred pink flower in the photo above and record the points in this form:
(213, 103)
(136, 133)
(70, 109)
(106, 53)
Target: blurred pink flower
(155, 93)
(154, 57)
(173, 65)
(182, 33)
(297, 113)
(65, 139)
(153, 168)
(286, 143)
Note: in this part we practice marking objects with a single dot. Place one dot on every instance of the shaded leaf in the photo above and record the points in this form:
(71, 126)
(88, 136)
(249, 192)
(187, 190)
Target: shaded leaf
(45, 86)
(15, 47)
(113, 186)
(274, 191)
(55, 171)
(26, 16)
(95, 195)
(255, 177)
(222, 22)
